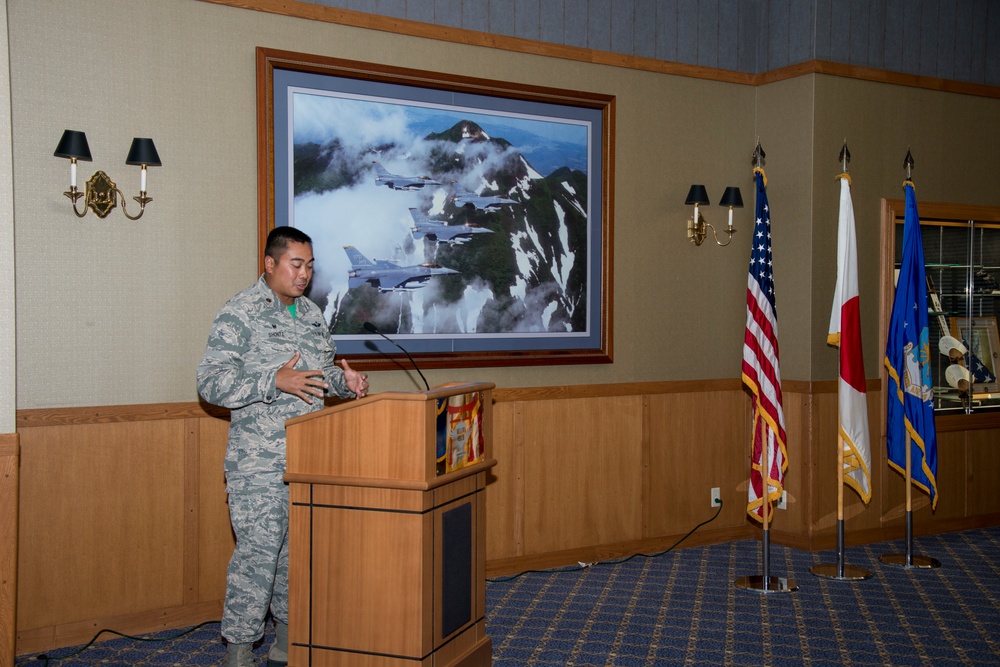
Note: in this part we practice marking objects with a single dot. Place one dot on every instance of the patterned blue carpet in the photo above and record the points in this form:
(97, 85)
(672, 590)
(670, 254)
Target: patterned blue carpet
(682, 608)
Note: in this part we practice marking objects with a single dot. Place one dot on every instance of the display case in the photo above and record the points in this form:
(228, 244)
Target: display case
(962, 260)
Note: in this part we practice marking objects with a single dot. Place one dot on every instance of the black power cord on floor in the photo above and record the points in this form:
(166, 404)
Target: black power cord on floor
(583, 566)
(47, 659)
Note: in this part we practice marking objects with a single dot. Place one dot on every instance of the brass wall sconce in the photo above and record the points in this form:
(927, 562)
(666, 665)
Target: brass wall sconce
(697, 227)
(101, 192)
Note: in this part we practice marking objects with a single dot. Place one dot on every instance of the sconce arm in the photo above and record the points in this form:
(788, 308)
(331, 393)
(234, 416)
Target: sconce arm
(142, 199)
(73, 193)
(716, 235)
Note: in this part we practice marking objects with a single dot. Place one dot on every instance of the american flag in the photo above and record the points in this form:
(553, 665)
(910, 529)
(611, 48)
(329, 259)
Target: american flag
(760, 365)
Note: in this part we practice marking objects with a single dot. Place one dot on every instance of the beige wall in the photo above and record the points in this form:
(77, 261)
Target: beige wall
(7, 347)
(117, 312)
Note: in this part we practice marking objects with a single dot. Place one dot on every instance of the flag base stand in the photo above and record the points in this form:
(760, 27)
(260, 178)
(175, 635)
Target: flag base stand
(764, 583)
(757, 583)
(833, 571)
(910, 562)
(840, 570)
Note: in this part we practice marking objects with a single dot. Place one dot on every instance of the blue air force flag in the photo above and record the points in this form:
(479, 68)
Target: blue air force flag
(910, 405)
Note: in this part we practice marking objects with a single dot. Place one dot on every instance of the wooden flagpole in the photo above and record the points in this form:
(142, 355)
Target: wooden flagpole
(840, 571)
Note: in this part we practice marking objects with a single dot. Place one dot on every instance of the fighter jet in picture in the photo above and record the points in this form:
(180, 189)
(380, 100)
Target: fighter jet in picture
(388, 276)
(463, 197)
(442, 233)
(397, 182)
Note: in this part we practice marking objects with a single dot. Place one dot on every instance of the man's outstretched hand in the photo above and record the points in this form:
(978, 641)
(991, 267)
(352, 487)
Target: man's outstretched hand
(303, 384)
(356, 382)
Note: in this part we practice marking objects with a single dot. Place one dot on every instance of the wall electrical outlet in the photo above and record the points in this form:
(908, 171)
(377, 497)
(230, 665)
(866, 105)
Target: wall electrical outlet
(716, 497)
(783, 501)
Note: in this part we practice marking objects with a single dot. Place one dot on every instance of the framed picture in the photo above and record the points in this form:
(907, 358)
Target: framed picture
(465, 221)
(982, 358)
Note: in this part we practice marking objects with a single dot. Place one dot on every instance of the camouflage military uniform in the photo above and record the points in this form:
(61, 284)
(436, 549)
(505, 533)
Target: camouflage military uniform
(252, 337)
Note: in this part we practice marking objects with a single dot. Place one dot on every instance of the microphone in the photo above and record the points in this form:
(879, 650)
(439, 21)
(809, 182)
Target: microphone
(369, 327)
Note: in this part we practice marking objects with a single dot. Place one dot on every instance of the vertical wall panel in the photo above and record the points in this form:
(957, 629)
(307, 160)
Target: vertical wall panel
(575, 18)
(991, 74)
(840, 32)
(801, 28)
(552, 21)
(979, 40)
(708, 33)
(749, 27)
(109, 540)
(964, 30)
(728, 44)
(876, 35)
(687, 31)
(946, 39)
(645, 29)
(526, 17)
(393, 8)
(622, 26)
(894, 35)
(582, 472)
(598, 25)
(448, 13)
(927, 38)
(822, 28)
(777, 35)
(910, 47)
(420, 11)
(502, 17)
(475, 16)
(689, 455)
(857, 35)
(667, 26)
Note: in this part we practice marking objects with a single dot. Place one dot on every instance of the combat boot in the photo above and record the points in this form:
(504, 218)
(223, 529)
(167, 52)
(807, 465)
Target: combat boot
(240, 655)
(278, 656)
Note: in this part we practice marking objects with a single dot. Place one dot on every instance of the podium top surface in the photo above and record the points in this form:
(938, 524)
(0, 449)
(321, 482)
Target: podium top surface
(440, 391)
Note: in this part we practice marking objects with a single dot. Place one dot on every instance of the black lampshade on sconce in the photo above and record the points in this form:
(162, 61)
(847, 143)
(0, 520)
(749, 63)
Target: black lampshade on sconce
(101, 192)
(697, 196)
(697, 228)
(73, 144)
(732, 197)
(143, 152)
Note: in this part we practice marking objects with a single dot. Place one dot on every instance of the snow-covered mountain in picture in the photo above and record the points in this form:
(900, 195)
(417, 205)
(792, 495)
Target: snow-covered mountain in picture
(363, 185)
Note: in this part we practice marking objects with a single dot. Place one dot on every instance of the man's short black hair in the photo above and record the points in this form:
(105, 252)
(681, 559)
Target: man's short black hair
(280, 237)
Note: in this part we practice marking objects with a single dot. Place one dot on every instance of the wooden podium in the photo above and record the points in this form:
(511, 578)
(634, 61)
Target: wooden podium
(387, 535)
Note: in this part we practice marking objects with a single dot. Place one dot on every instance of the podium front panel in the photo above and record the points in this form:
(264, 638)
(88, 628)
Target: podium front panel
(381, 586)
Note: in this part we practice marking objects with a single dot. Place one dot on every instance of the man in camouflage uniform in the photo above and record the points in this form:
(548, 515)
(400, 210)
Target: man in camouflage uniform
(269, 358)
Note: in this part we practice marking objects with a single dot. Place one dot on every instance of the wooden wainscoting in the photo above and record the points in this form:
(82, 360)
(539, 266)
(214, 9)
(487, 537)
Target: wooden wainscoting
(9, 477)
(123, 521)
(588, 473)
